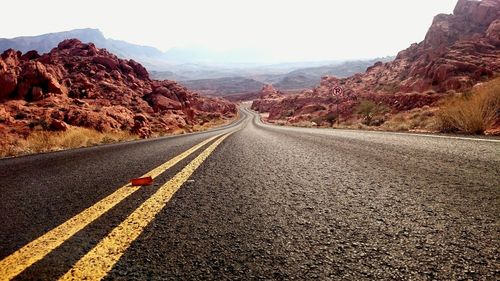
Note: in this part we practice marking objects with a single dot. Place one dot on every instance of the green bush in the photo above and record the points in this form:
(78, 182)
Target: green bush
(369, 109)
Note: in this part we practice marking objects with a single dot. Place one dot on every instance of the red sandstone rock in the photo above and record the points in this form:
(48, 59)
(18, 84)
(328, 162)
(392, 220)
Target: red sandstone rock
(268, 96)
(80, 85)
(161, 103)
(30, 55)
(9, 71)
(108, 62)
(141, 126)
(58, 125)
(493, 33)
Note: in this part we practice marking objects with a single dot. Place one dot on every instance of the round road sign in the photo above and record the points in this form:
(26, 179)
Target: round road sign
(337, 90)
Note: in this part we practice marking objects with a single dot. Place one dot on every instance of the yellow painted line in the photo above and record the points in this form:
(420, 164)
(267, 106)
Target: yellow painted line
(98, 262)
(18, 261)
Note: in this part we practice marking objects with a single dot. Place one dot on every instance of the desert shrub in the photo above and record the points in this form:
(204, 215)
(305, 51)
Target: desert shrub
(472, 113)
(415, 119)
(42, 141)
(331, 117)
(369, 109)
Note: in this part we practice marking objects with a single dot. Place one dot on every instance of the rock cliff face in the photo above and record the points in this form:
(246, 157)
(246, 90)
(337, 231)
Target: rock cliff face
(458, 51)
(78, 84)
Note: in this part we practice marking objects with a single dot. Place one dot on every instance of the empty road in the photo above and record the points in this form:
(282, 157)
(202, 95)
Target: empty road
(252, 201)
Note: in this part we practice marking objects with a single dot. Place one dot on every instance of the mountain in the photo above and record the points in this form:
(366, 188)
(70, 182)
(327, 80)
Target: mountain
(303, 78)
(175, 59)
(195, 63)
(223, 86)
(79, 85)
(459, 51)
(236, 71)
(250, 81)
(45, 42)
(196, 71)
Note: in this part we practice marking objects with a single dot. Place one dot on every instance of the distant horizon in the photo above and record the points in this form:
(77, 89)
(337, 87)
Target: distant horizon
(222, 64)
(284, 31)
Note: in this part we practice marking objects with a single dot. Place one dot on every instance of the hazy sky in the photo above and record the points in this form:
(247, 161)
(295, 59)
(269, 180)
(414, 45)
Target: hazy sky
(290, 30)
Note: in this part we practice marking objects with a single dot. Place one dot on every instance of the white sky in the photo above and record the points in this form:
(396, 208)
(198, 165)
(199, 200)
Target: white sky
(291, 30)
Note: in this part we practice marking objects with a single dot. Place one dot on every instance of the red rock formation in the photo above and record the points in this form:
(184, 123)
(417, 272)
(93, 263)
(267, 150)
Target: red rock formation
(268, 96)
(458, 51)
(80, 85)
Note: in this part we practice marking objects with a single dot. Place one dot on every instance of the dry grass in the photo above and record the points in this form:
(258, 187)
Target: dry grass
(472, 113)
(74, 137)
(41, 140)
(418, 119)
(213, 124)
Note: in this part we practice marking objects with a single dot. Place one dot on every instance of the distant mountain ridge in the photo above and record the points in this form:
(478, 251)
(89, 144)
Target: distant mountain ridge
(152, 57)
(201, 69)
(46, 42)
(248, 85)
(307, 77)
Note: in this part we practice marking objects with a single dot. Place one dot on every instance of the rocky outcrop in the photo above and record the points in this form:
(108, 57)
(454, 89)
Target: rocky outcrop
(77, 84)
(320, 102)
(458, 51)
(268, 96)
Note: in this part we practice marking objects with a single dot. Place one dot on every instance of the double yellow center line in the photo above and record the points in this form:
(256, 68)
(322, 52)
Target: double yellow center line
(97, 263)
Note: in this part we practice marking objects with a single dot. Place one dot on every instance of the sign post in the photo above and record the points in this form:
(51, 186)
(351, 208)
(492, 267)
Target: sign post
(337, 93)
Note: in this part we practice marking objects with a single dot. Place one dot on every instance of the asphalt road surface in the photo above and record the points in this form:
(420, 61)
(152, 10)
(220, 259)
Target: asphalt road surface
(256, 202)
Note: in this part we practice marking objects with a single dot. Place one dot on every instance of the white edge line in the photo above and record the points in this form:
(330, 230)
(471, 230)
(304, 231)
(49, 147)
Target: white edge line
(437, 136)
(382, 132)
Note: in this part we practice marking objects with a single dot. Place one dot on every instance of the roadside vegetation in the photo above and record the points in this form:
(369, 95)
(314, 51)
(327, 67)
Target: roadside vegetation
(473, 112)
(41, 139)
(421, 119)
(74, 137)
(369, 111)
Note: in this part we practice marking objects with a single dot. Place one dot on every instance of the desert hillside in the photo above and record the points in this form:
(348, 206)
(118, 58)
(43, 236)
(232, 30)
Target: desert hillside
(460, 51)
(77, 85)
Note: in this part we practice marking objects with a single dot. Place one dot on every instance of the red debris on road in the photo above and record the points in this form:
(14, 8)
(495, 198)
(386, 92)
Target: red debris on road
(141, 181)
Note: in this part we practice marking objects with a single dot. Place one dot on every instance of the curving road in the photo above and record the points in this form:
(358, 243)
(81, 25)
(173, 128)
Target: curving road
(263, 202)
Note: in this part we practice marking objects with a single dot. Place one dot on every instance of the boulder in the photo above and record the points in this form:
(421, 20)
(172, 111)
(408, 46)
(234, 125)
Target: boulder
(8, 80)
(58, 125)
(493, 33)
(109, 62)
(162, 103)
(139, 70)
(30, 55)
(141, 126)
